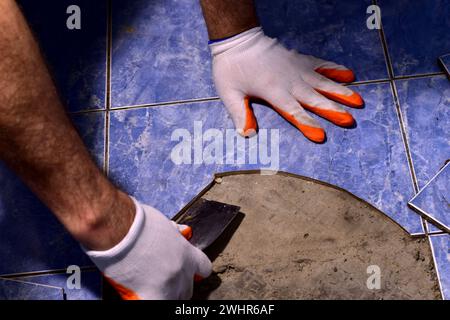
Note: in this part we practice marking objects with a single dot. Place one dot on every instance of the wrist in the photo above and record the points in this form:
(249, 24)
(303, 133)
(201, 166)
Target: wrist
(241, 41)
(233, 33)
(227, 18)
(107, 222)
(213, 41)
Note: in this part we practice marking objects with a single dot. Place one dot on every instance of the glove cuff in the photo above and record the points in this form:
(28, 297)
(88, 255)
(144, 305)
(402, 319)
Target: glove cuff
(117, 252)
(220, 46)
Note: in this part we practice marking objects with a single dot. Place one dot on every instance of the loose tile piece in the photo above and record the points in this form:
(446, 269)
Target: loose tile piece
(19, 290)
(160, 50)
(433, 201)
(416, 34)
(445, 64)
(77, 58)
(368, 161)
(441, 252)
(90, 286)
(32, 238)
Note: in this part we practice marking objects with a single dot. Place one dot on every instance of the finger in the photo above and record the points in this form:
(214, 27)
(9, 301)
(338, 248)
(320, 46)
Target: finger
(333, 90)
(204, 265)
(317, 103)
(333, 71)
(185, 230)
(290, 110)
(242, 114)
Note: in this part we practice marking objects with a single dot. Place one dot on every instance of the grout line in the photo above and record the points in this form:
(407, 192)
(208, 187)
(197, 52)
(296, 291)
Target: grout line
(363, 82)
(33, 283)
(387, 58)
(108, 54)
(108, 86)
(419, 76)
(167, 103)
(210, 99)
(87, 111)
(43, 273)
(400, 115)
(404, 137)
(106, 145)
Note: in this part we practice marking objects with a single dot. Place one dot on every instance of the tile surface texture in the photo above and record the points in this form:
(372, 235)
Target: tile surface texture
(416, 34)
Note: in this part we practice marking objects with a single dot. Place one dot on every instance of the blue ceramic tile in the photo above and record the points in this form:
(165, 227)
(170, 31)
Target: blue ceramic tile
(160, 50)
(368, 161)
(91, 285)
(441, 252)
(433, 200)
(91, 127)
(31, 238)
(18, 290)
(77, 58)
(333, 30)
(425, 105)
(416, 34)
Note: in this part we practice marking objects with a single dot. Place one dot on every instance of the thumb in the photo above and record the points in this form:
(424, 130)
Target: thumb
(204, 265)
(186, 231)
(242, 113)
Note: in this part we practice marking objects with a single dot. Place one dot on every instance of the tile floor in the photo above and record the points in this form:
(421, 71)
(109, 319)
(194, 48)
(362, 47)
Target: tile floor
(160, 80)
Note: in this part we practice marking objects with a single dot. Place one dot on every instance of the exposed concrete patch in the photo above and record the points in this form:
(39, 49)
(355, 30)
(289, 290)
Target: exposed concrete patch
(302, 240)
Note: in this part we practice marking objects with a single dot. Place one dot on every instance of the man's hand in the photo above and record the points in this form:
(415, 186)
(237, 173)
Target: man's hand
(252, 65)
(154, 260)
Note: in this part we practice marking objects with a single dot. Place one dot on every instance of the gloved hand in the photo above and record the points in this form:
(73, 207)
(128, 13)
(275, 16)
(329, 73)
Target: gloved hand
(154, 260)
(252, 65)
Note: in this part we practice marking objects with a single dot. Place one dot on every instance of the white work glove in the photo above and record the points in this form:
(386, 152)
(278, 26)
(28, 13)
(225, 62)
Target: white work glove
(252, 65)
(154, 260)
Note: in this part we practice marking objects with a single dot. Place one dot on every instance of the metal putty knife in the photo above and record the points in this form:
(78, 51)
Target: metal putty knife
(208, 220)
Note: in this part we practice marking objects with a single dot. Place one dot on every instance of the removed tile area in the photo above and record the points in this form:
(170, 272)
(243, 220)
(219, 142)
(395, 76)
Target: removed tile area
(303, 240)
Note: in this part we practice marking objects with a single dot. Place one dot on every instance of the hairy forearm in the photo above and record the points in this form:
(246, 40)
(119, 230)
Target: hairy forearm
(37, 139)
(225, 18)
